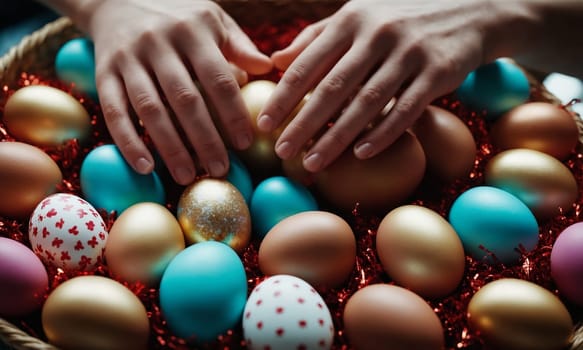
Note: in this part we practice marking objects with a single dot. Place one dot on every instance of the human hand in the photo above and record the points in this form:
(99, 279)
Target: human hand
(148, 54)
(361, 57)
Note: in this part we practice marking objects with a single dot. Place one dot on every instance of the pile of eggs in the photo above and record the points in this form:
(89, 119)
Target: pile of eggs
(192, 255)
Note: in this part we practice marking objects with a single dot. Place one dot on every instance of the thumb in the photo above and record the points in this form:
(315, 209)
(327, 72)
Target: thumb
(241, 51)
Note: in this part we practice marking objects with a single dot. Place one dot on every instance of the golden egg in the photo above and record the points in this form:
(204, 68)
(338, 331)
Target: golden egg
(214, 210)
(541, 181)
(45, 116)
(379, 183)
(27, 176)
(539, 126)
(448, 144)
(391, 316)
(514, 314)
(421, 251)
(141, 243)
(94, 312)
(316, 246)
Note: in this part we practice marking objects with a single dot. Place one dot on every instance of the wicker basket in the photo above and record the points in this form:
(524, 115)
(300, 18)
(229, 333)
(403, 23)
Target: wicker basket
(35, 54)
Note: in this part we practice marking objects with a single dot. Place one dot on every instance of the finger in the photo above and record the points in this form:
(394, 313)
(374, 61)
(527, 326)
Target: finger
(326, 101)
(191, 112)
(240, 75)
(240, 50)
(146, 102)
(223, 91)
(115, 112)
(362, 110)
(312, 64)
(283, 58)
(408, 107)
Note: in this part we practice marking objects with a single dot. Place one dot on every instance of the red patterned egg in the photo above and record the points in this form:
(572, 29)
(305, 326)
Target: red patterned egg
(66, 232)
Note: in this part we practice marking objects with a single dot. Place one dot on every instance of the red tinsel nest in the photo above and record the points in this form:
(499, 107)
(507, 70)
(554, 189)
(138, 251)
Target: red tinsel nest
(534, 266)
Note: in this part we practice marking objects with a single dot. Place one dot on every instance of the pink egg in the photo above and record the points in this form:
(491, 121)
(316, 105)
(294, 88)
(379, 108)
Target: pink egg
(23, 279)
(567, 263)
(66, 232)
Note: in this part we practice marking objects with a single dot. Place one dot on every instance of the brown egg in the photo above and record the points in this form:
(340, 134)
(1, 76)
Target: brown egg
(514, 314)
(541, 181)
(378, 184)
(448, 144)
(391, 316)
(141, 243)
(421, 251)
(316, 246)
(94, 312)
(27, 176)
(45, 116)
(539, 126)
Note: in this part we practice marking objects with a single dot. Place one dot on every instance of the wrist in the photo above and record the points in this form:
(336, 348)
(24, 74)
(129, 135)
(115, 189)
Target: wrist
(80, 11)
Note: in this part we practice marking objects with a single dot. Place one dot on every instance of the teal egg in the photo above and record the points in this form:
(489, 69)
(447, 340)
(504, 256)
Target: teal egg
(75, 63)
(109, 182)
(495, 219)
(496, 88)
(203, 291)
(276, 198)
(240, 177)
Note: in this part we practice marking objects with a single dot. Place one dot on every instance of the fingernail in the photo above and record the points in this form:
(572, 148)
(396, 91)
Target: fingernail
(183, 175)
(313, 162)
(265, 123)
(216, 168)
(363, 150)
(143, 166)
(243, 141)
(284, 150)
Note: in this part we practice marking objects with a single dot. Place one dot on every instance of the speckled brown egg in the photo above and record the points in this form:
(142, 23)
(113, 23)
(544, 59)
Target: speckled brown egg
(316, 246)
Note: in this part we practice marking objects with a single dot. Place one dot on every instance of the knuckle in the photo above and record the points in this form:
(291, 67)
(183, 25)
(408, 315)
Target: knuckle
(185, 97)
(371, 95)
(295, 76)
(406, 106)
(338, 138)
(146, 106)
(112, 113)
(225, 84)
(334, 84)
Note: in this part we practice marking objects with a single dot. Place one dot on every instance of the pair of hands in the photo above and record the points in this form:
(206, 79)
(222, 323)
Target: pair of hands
(354, 61)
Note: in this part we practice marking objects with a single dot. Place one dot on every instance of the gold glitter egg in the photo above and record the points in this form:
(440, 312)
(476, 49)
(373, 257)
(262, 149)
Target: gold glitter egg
(45, 116)
(94, 312)
(514, 314)
(214, 210)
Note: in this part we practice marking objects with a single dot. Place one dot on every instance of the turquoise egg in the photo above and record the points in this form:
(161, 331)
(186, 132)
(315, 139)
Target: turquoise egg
(109, 182)
(276, 198)
(203, 291)
(240, 177)
(75, 63)
(496, 88)
(495, 219)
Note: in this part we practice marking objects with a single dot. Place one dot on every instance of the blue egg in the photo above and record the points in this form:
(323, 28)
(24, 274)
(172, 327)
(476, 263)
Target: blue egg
(495, 219)
(276, 198)
(495, 87)
(203, 291)
(75, 63)
(110, 183)
(239, 176)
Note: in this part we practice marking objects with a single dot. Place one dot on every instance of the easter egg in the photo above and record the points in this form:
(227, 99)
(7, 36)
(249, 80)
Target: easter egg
(276, 198)
(214, 210)
(284, 312)
(421, 251)
(23, 279)
(514, 314)
(567, 263)
(65, 231)
(541, 181)
(316, 246)
(75, 63)
(203, 291)
(495, 88)
(539, 126)
(142, 241)
(240, 177)
(45, 116)
(388, 314)
(94, 312)
(489, 221)
(109, 182)
(27, 176)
